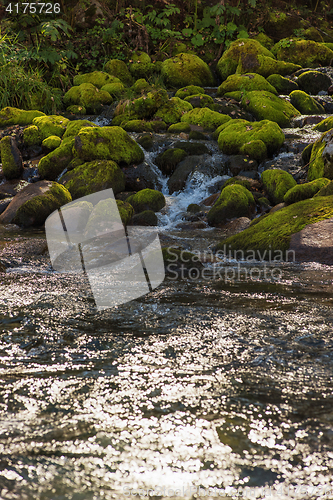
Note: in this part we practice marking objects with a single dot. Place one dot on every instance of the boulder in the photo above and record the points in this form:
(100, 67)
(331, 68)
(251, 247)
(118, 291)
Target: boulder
(32, 136)
(264, 66)
(312, 82)
(173, 110)
(88, 96)
(32, 205)
(321, 160)
(276, 183)
(51, 143)
(306, 53)
(178, 128)
(281, 84)
(14, 116)
(305, 104)
(304, 191)
(186, 69)
(248, 81)
(74, 127)
(50, 125)
(96, 78)
(145, 218)
(115, 89)
(324, 125)
(201, 101)
(140, 65)
(147, 199)
(235, 201)
(145, 126)
(11, 158)
(205, 118)
(188, 91)
(140, 177)
(326, 190)
(118, 68)
(52, 165)
(169, 159)
(141, 108)
(266, 106)
(314, 243)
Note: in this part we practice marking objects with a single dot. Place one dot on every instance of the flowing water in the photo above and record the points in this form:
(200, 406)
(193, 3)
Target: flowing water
(217, 385)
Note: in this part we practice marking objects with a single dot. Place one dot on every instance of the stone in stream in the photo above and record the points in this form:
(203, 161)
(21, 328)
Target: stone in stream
(321, 160)
(88, 96)
(11, 158)
(247, 82)
(141, 176)
(234, 201)
(276, 183)
(305, 104)
(282, 85)
(306, 53)
(266, 106)
(147, 199)
(312, 82)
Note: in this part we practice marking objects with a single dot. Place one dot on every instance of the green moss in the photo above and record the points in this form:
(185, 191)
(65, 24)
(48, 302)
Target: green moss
(312, 82)
(14, 116)
(319, 167)
(234, 180)
(87, 96)
(200, 101)
(116, 89)
(143, 107)
(234, 134)
(51, 142)
(325, 125)
(11, 158)
(173, 110)
(234, 201)
(31, 136)
(276, 183)
(140, 86)
(266, 106)
(143, 126)
(169, 159)
(273, 232)
(188, 91)
(51, 165)
(237, 95)
(145, 218)
(255, 149)
(196, 135)
(264, 66)
(177, 128)
(140, 65)
(75, 109)
(146, 141)
(192, 148)
(193, 208)
(147, 199)
(282, 85)
(248, 81)
(305, 103)
(205, 117)
(51, 125)
(126, 211)
(264, 40)
(97, 78)
(107, 143)
(186, 69)
(74, 127)
(119, 69)
(326, 190)
(307, 53)
(304, 191)
(306, 154)
(38, 208)
(93, 176)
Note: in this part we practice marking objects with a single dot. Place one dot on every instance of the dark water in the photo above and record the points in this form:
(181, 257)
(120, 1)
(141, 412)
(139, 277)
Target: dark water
(201, 384)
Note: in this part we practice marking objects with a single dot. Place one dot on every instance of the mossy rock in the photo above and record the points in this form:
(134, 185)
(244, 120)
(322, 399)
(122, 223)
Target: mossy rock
(140, 65)
(193, 208)
(236, 180)
(280, 24)
(169, 159)
(76, 109)
(192, 148)
(52, 142)
(265, 40)
(248, 81)
(304, 191)
(145, 218)
(177, 128)
(205, 117)
(254, 149)
(173, 110)
(116, 89)
(196, 135)
(34, 203)
(186, 69)
(51, 125)
(228, 63)
(266, 106)
(306, 53)
(144, 126)
(14, 116)
(74, 127)
(276, 183)
(200, 101)
(119, 69)
(31, 136)
(97, 78)
(87, 96)
(107, 143)
(283, 85)
(188, 91)
(312, 82)
(126, 211)
(147, 199)
(324, 125)
(93, 176)
(306, 154)
(321, 161)
(51, 165)
(11, 158)
(264, 66)
(235, 134)
(234, 201)
(270, 238)
(141, 108)
(326, 190)
(146, 141)
(305, 104)
(140, 86)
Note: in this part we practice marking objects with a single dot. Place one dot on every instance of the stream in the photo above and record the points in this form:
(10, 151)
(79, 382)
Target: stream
(211, 386)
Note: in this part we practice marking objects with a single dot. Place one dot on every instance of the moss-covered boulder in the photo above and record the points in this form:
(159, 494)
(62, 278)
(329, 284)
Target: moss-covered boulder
(312, 82)
(177, 128)
(93, 176)
(186, 69)
(237, 136)
(188, 91)
(326, 190)
(266, 106)
(248, 81)
(147, 199)
(173, 110)
(51, 165)
(321, 160)
(107, 143)
(14, 116)
(145, 218)
(281, 84)
(126, 211)
(305, 104)
(115, 89)
(169, 159)
(324, 125)
(34, 203)
(97, 78)
(51, 125)
(88, 96)
(140, 65)
(76, 109)
(74, 127)
(264, 66)
(145, 126)
(31, 136)
(234, 201)
(119, 69)
(270, 237)
(280, 24)
(141, 108)
(265, 40)
(52, 142)
(306, 53)
(304, 191)
(276, 183)
(140, 86)
(205, 117)
(192, 148)
(11, 158)
(201, 101)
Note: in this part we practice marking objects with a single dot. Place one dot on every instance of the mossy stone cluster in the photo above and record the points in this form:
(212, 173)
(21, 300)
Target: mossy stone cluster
(234, 201)
(74, 127)
(205, 117)
(11, 158)
(118, 68)
(88, 96)
(115, 89)
(140, 65)
(305, 104)
(246, 82)
(14, 116)
(141, 108)
(266, 106)
(147, 199)
(186, 69)
(276, 183)
(304, 191)
(51, 125)
(306, 53)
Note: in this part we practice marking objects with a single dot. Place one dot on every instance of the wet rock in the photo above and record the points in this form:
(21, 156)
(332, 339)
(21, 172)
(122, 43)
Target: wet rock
(4, 204)
(276, 183)
(186, 69)
(145, 218)
(237, 226)
(169, 159)
(306, 53)
(201, 164)
(312, 120)
(11, 188)
(141, 176)
(192, 148)
(281, 84)
(235, 201)
(247, 82)
(321, 160)
(193, 208)
(147, 199)
(239, 163)
(11, 158)
(209, 202)
(266, 106)
(205, 117)
(146, 141)
(314, 243)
